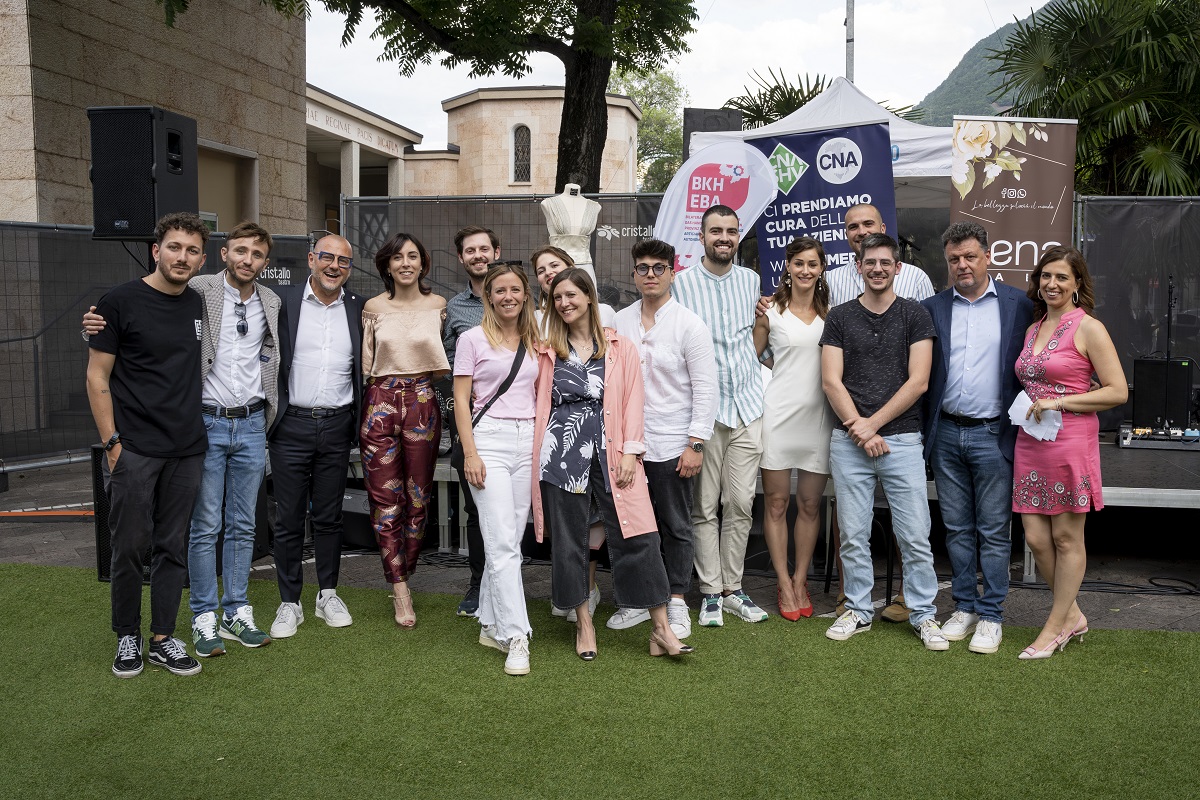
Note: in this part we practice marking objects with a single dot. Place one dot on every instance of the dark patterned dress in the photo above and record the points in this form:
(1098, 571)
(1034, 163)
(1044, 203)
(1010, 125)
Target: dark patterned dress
(1062, 475)
(575, 432)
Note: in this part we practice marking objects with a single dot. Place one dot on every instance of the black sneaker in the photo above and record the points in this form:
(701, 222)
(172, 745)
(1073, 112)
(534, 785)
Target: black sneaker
(128, 663)
(469, 606)
(169, 654)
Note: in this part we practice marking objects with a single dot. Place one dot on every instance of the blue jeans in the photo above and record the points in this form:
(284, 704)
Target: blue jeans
(974, 484)
(233, 471)
(902, 474)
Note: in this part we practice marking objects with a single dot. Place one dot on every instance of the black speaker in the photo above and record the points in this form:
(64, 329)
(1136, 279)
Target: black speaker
(143, 166)
(1162, 392)
(708, 119)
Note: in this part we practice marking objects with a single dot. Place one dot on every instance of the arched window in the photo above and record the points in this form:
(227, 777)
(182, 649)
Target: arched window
(521, 171)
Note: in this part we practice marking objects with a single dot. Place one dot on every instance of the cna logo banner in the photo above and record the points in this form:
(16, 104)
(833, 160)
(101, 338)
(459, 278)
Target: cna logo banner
(820, 175)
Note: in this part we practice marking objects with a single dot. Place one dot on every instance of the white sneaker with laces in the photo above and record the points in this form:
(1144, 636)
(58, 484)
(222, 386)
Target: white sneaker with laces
(679, 617)
(331, 609)
(627, 618)
(931, 636)
(847, 625)
(710, 611)
(741, 606)
(487, 638)
(960, 625)
(517, 662)
(593, 601)
(287, 619)
(987, 637)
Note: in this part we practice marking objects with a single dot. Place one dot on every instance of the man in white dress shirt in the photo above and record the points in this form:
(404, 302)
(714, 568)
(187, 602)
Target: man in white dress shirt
(680, 373)
(320, 393)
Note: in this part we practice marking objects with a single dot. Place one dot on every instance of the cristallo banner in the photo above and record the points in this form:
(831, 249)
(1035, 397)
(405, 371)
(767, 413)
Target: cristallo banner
(1015, 177)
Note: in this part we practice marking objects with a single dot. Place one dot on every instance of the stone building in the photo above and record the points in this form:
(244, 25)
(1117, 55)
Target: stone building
(234, 66)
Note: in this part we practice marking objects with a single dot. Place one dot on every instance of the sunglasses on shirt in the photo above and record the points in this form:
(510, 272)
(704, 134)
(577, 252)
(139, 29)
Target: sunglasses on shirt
(243, 327)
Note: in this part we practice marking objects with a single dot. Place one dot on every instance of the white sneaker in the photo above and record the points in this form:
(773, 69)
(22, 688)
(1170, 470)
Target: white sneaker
(287, 619)
(331, 609)
(487, 638)
(560, 612)
(679, 617)
(710, 611)
(931, 636)
(627, 618)
(593, 601)
(740, 605)
(960, 625)
(845, 626)
(987, 637)
(517, 662)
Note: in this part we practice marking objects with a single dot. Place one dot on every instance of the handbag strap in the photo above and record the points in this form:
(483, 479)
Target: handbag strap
(512, 376)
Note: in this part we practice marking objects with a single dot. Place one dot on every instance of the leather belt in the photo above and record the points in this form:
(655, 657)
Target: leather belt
(968, 422)
(317, 413)
(238, 412)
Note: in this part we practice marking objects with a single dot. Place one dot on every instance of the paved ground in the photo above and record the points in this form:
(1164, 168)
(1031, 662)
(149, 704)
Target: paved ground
(42, 524)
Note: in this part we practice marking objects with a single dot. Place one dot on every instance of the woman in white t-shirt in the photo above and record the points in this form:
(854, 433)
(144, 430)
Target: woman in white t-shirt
(498, 451)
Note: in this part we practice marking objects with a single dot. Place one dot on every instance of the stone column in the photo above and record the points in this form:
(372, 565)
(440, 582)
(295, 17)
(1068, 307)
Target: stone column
(395, 186)
(350, 165)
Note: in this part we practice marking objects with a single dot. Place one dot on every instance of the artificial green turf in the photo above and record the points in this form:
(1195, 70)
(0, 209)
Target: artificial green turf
(768, 710)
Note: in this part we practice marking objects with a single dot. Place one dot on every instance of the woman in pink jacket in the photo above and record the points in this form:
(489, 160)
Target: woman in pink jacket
(588, 431)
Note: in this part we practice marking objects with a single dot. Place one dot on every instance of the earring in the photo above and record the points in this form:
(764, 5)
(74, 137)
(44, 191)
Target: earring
(1039, 294)
(787, 279)
(1075, 298)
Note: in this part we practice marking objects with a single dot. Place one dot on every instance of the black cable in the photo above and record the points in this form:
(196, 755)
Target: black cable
(136, 260)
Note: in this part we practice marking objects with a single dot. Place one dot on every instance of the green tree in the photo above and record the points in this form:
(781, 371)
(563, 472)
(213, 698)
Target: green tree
(776, 97)
(1128, 71)
(661, 97)
(589, 37)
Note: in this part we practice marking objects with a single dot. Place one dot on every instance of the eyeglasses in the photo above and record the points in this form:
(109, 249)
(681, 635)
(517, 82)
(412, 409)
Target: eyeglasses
(243, 327)
(644, 269)
(343, 262)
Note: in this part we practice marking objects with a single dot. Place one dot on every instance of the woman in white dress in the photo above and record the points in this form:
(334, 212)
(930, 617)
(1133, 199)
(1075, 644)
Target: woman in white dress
(797, 419)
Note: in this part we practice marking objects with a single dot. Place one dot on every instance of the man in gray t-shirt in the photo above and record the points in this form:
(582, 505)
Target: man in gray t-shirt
(875, 360)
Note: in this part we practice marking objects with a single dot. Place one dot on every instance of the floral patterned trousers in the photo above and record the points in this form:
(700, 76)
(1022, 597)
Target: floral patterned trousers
(400, 432)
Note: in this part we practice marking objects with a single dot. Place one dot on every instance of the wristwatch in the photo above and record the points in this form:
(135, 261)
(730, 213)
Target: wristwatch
(86, 336)
(112, 442)
(697, 447)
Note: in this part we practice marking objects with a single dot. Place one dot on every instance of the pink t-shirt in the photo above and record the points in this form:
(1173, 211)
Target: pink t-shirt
(488, 367)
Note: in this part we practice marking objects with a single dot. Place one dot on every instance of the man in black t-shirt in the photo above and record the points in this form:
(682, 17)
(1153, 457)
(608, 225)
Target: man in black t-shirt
(143, 383)
(875, 360)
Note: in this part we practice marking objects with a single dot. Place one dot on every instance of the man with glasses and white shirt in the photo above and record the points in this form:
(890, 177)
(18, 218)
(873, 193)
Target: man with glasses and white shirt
(320, 394)
(679, 369)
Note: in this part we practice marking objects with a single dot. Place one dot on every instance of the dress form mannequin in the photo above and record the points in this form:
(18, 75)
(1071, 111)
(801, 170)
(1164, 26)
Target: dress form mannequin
(570, 221)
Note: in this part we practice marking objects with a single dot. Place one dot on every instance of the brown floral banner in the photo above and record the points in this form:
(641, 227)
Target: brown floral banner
(1015, 177)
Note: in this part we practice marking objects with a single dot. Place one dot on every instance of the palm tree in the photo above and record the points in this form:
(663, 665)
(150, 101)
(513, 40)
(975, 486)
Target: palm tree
(1128, 71)
(774, 99)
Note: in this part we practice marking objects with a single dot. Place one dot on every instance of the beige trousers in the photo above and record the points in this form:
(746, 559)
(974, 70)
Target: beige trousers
(726, 481)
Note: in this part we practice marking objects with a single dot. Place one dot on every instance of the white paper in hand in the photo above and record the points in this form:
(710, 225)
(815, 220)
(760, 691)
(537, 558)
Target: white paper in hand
(1046, 430)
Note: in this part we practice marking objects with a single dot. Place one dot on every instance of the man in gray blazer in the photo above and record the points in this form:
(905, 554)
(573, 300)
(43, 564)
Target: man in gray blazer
(239, 369)
(980, 324)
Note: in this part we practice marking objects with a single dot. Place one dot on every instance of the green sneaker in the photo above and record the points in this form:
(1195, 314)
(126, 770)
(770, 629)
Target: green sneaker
(241, 628)
(204, 635)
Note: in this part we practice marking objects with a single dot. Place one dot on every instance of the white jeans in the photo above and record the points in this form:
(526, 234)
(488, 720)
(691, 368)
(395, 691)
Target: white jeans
(727, 478)
(506, 448)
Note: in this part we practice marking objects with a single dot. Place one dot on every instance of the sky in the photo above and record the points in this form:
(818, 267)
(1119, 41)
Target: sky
(733, 39)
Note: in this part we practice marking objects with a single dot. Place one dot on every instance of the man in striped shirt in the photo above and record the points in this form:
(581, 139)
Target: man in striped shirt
(724, 295)
(845, 283)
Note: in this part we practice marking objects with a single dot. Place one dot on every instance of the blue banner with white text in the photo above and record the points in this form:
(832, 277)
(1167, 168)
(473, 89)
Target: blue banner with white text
(821, 174)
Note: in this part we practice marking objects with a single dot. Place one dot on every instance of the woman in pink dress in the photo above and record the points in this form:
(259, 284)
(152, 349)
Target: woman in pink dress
(1055, 483)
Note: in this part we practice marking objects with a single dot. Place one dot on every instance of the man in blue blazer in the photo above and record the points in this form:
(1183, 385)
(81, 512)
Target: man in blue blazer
(320, 394)
(969, 440)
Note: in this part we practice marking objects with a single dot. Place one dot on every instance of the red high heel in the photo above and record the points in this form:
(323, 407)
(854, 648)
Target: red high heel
(806, 611)
(790, 616)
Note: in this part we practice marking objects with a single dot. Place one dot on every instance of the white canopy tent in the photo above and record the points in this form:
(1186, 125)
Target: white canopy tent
(920, 153)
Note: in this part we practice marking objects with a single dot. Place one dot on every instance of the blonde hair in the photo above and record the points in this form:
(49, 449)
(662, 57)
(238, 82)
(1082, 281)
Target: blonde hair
(556, 329)
(491, 325)
(548, 250)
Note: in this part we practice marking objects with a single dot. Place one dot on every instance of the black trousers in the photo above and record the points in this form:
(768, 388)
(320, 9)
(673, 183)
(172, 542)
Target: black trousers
(671, 497)
(309, 459)
(151, 501)
(638, 576)
(475, 556)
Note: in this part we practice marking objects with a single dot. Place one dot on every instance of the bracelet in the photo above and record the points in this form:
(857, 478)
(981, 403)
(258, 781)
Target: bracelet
(473, 455)
(1062, 404)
